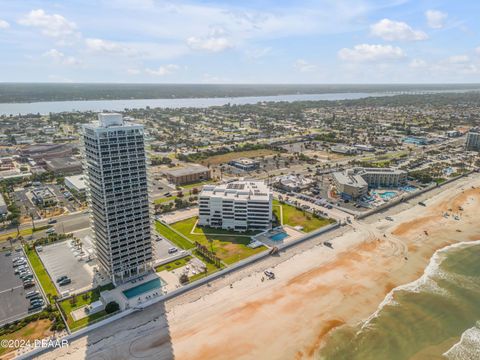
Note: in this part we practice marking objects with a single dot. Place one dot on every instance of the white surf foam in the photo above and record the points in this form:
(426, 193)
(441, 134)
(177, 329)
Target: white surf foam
(468, 347)
(424, 283)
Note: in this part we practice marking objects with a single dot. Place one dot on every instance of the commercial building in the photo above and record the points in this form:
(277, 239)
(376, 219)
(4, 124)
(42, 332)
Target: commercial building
(188, 175)
(239, 206)
(342, 149)
(116, 173)
(66, 165)
(76, 183)
(473, 140)
(354, 183)
(43, 196)
(293, 183)
(245, 164)
(46, 151)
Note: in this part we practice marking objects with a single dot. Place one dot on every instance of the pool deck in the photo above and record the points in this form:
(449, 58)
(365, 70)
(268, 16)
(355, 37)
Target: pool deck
(118, 296)
(265, 237)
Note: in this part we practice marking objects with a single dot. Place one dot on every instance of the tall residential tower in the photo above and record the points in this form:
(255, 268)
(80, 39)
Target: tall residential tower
(115, 165)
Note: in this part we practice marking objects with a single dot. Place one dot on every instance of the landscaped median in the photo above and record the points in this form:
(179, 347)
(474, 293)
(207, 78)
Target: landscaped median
(78, 301)
(45, 281)
(23, 232)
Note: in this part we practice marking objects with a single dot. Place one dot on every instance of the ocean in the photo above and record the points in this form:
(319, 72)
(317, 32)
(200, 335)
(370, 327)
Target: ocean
(435, 317)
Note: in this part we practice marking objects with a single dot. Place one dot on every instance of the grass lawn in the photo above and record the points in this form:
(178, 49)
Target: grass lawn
(230, 247)
(175, 264)
(24, 232)
(35, 330)
(171, 235)
(294, 217)
(197, 185)
(93, 295)
(205, 230)
(164, 200)
(211, 267)
(42, 275)
(220, 159)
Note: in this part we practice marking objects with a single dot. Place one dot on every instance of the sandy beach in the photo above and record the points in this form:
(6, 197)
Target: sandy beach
(316, 289)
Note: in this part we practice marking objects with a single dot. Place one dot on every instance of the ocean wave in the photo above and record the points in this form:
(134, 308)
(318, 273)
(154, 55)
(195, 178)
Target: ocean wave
(468, 347)
(423, 283)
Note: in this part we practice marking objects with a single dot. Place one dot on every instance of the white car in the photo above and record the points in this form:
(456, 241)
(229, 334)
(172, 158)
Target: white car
(172, 250)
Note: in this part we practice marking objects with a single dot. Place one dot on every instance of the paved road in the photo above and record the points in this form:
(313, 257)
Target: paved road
(65, 224)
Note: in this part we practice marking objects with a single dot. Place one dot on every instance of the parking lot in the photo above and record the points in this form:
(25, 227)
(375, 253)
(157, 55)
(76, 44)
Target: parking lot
(160, 248)
(14, 305)
(61, 259)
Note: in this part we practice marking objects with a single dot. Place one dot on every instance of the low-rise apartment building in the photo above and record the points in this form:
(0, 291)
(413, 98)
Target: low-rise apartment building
(239, 206)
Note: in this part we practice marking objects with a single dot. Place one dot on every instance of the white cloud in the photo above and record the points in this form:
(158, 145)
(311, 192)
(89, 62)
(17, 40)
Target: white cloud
(368, 52)
(255, 54)
(212, 43)
(396, 30)
(304, 66)
(458, 59)
(60, 57)
(436, 19)
(417, 63)
(133, 71)
(105, 46)
(4, 24)
(163, 70)
(54, 25)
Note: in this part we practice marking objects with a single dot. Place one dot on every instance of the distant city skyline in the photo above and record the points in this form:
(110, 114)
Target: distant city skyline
(326, 41)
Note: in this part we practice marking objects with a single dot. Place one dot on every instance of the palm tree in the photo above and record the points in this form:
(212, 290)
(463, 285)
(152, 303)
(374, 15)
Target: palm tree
(32, 216)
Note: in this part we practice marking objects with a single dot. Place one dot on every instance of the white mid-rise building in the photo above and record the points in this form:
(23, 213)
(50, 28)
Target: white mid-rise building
(240, 206)
(116, 175)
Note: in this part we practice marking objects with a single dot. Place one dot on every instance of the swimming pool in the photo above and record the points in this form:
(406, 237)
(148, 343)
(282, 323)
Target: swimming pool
(386, 195)
(143, 288)
(279, 236)
(408, 188)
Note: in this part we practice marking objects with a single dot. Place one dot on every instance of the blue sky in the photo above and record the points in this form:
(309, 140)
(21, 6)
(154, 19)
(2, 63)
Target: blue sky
(324, 41)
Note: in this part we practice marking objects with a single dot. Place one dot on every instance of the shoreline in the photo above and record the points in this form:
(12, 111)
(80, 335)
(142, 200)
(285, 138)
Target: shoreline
(316, 290)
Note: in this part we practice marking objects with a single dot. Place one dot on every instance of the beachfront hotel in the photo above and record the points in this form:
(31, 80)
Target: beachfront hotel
(354, 183)
(240, 206)
(115, 167)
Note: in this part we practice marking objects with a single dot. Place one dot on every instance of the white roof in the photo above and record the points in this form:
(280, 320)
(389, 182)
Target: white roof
(245, 189)
(78, 181)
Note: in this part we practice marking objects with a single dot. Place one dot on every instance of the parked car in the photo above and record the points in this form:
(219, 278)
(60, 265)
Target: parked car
(172, 250)
(31, 294)
(65, 282)
(61, 278)
(27, 284)
(34, 306)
